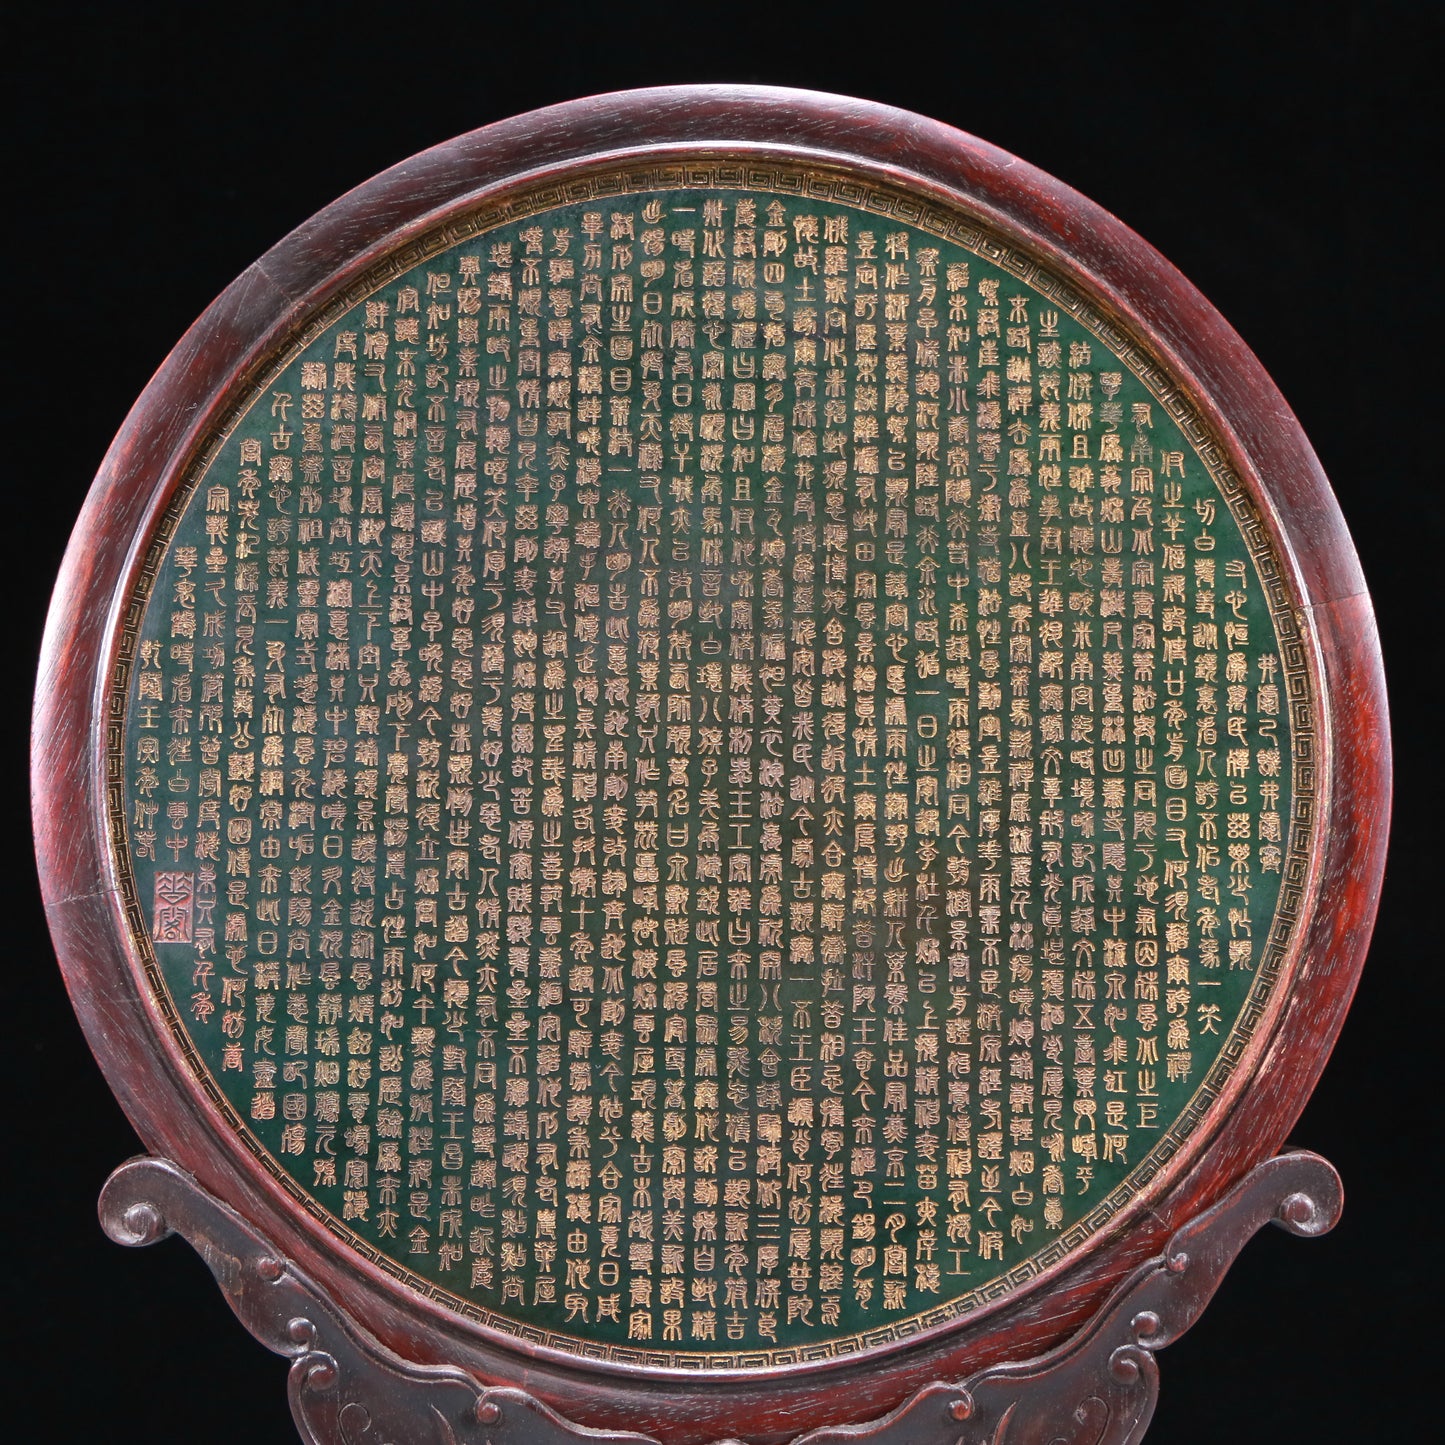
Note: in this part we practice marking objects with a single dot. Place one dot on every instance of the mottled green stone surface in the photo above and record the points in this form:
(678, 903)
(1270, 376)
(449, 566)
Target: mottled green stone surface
(709, 772)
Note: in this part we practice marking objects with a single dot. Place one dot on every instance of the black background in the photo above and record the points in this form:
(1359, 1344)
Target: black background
(1278, 158)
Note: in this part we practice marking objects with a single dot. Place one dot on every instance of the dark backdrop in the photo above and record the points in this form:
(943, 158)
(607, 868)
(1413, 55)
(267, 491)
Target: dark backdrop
(1278, 158)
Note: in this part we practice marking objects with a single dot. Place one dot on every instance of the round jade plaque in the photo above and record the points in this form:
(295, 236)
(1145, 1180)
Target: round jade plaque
(712, 766)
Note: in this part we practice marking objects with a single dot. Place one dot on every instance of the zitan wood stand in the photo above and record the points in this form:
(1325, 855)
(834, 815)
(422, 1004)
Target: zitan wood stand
(1099, 1388)
(1068, 1358)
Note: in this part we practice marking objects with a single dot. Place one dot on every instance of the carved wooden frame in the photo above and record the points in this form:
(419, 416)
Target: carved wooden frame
(1104, 261)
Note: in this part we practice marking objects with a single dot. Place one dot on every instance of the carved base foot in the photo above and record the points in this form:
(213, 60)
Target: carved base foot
(346, 1388)
(1098, 1388)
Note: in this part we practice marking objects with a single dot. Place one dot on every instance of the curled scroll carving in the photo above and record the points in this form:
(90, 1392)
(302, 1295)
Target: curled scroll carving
(346, 1388)
(1100, 1387)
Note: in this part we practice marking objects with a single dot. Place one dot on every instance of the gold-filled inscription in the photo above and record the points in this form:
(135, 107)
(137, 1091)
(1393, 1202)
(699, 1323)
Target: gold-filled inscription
(710, 770)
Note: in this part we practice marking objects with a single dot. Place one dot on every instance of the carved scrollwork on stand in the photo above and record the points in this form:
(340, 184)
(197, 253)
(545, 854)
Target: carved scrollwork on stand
(1100, 1387)
(346, 1388)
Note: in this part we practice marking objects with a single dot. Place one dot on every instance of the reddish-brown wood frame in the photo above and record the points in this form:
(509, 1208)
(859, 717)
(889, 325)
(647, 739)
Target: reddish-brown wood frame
(1103, 260)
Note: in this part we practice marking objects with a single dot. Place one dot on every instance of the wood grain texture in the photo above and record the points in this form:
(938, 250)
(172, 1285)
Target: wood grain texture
(1097, 255)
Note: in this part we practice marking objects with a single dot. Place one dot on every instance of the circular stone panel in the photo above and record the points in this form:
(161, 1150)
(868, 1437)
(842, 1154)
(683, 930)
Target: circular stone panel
(710, 767)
